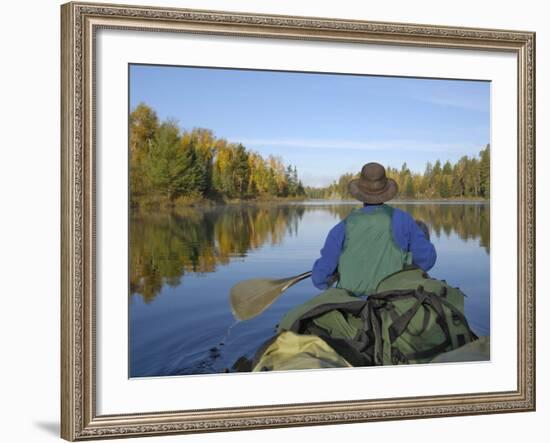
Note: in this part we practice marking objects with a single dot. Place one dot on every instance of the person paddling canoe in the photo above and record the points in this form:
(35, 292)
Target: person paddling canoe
(373, 241)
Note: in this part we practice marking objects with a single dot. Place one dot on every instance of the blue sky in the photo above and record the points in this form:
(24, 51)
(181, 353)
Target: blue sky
(325, 124)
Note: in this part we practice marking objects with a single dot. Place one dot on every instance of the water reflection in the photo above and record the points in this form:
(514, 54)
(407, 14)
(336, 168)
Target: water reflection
(165, 246)
(469, 221)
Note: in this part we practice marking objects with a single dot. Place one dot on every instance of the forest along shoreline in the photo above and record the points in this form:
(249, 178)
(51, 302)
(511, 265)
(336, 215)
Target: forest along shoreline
(171, 168)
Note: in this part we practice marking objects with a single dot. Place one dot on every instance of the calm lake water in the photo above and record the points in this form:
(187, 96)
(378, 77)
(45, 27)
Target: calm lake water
(183, 264)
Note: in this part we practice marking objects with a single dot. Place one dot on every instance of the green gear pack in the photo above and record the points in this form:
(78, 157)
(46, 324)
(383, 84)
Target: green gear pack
(411, 318)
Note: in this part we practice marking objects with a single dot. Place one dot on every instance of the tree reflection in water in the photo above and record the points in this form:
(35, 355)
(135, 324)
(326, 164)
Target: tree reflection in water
(166, 245)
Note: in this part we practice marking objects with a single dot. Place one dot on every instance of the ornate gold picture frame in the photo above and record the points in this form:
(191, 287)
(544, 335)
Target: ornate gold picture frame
(80, 23)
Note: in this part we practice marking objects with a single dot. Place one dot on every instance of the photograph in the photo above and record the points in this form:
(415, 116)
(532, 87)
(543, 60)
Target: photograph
(285, 220)
(280, 220)
(288, 220)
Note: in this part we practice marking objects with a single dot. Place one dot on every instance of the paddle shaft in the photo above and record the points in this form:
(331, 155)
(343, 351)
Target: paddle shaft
(293, 280)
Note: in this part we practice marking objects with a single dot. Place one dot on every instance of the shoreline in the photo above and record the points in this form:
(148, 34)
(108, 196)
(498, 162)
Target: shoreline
(204, 203)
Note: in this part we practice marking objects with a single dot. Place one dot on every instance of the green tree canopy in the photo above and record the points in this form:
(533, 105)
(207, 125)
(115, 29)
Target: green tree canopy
(467, 178)
(166, 164)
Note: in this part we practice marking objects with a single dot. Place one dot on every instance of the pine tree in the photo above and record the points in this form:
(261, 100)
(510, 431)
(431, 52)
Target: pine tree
(300, 191)
(241, 172)
(409, 188)
(164, 165)
(437, 168)
(444, 187)
(289, 177)
(456, 187)
(484, 172)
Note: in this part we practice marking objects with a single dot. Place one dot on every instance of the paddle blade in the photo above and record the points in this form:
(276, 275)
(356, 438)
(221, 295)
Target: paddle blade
(251, 297)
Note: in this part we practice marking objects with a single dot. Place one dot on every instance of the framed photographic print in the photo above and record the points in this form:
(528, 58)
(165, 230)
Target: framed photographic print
(263, 214)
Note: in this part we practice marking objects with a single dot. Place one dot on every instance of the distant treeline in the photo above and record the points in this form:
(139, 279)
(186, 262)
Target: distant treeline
(468, 178)
(168, 166)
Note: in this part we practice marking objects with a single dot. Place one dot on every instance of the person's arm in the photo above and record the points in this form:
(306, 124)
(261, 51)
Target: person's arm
(423, 251)
(327, 264)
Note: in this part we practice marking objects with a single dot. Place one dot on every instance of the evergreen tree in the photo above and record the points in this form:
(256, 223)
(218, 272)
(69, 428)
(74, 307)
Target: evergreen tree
(409, 188)
(165, 167)
(300, 191)
(291, 184)
(444, 187)
(437, 168)
(456, 187)
(204, 144)
(484, 172)
(241, 173)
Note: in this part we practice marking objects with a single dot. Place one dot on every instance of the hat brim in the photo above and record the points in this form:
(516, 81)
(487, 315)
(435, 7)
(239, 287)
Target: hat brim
(358, 190)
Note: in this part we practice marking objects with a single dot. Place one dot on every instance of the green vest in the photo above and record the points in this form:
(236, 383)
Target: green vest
(369, 253)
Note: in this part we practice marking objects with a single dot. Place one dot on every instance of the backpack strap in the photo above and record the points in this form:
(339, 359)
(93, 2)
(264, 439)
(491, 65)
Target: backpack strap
(460, 316)
(399, 325)
(351, 350)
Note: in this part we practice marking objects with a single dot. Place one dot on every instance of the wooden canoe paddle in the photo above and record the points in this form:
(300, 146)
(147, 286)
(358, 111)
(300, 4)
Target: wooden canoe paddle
(251, 297)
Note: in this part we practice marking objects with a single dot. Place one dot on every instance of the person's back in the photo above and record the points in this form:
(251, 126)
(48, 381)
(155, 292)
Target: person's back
(374, 241)
(369, 253)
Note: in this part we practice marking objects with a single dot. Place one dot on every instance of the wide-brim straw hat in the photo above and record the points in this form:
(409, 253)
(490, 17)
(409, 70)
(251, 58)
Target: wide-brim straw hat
(373, 186)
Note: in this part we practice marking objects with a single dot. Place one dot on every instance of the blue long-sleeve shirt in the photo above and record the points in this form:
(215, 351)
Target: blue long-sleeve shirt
(406, 234)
